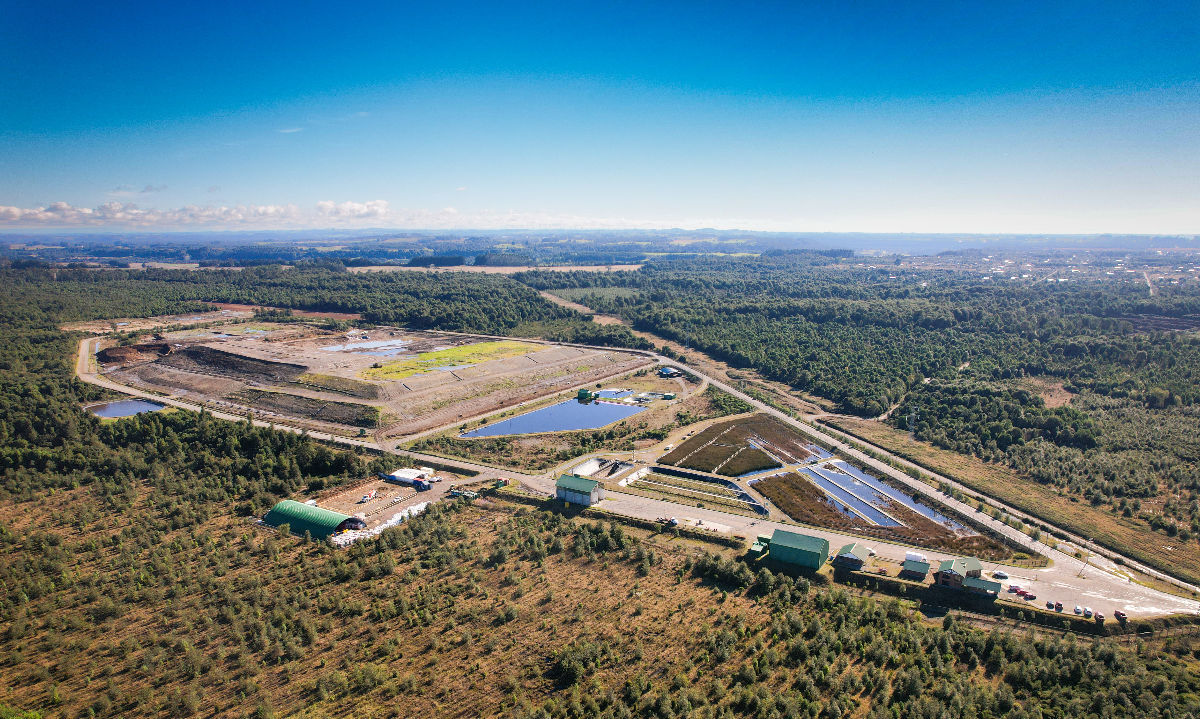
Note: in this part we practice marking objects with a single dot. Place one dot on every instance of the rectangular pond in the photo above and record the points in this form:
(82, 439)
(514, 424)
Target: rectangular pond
(124, 408)
(562, 417)
(898, 496)
(840, 493)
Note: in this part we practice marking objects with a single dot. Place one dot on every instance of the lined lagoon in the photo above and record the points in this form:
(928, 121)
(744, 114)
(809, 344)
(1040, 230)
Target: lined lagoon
(125, 408)
(561, 417)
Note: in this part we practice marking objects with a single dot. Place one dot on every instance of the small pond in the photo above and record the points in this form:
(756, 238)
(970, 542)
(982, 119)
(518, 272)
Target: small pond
(561, 417)
(125, 408)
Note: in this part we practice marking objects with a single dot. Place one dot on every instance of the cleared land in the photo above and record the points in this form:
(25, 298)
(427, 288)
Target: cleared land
(1155, 549)
(396, 381)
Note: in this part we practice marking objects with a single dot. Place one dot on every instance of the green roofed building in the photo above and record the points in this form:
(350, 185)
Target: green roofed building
(954, 572)
(799, 549)
(320, 523)
(852, 556)
(578, 490)
(983, 586)
(914, 569)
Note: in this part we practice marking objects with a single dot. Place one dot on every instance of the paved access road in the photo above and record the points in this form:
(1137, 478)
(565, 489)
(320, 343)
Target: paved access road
(1098, 584)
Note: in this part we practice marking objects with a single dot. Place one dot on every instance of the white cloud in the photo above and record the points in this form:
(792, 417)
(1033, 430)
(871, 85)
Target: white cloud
(122, 214)
(290, 130)
(375, 209)
(327, 213)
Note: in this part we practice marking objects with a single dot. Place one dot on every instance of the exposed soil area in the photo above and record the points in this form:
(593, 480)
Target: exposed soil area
(201, 359)
(1050, 390)
(304, 372)
(354, 415)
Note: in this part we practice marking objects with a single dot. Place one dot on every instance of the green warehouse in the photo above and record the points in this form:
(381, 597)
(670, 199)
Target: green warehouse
(320, 523)
(799, 549)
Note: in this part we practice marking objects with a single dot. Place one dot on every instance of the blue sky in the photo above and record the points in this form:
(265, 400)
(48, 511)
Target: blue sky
(931, 117)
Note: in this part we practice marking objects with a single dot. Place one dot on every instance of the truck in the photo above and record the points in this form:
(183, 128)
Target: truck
(414, 478)
(418, 484)
(915, 557)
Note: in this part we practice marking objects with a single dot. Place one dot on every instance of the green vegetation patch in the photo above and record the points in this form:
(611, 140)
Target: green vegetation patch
(451, 357)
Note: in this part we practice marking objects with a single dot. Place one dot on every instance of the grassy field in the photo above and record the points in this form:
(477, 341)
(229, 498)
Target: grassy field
(450, 357)
(1109, 529)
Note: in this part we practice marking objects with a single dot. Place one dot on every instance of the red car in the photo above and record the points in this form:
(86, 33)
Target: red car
(1029, 596)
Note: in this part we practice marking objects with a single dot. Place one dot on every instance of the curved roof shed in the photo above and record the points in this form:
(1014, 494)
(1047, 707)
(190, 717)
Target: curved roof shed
(320, 523)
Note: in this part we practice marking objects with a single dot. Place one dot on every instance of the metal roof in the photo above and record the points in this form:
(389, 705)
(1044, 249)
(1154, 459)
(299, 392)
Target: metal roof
(299, 517)
(575, 483)
(856, 550)
(802, 542)
(976, 583)
(960, 566)
(915, 567)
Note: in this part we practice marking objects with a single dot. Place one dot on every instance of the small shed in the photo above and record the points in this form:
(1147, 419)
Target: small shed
(578, 490)
(852, 556)
(320, 523)
(799, 549)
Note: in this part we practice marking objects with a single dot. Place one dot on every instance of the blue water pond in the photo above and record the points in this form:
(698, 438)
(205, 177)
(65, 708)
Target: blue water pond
(561, 417)
(125, 408)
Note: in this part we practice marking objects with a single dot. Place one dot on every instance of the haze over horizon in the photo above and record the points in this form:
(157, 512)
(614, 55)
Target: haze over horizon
(1072, 118)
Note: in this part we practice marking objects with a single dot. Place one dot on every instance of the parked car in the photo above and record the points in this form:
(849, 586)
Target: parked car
(1015, 588)
(1121, 616)
(1078, 609)
(1058, 607)
(1099, 618)
(1087, 612)
(1029, 596)
(1000, 575)
(1049, 604)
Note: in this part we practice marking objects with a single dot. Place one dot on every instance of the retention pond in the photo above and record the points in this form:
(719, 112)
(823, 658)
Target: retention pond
(562, 417)
(124, 408)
